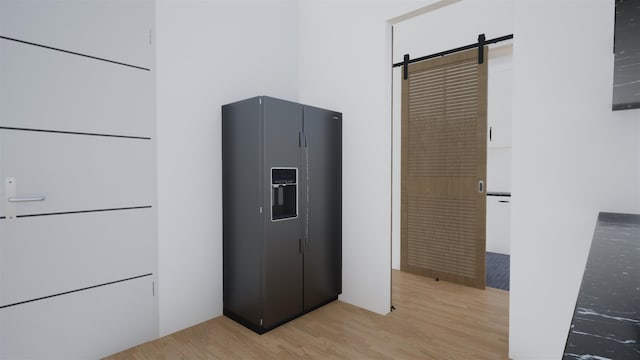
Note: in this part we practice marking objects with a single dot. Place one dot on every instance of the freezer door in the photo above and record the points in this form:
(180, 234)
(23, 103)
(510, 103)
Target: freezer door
(323, 178)
(282, 267)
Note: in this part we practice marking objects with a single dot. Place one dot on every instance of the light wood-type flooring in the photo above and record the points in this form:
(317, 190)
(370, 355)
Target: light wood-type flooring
(432, 320)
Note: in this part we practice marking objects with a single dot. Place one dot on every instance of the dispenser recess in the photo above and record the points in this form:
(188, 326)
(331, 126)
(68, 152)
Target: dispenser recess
(284, 193)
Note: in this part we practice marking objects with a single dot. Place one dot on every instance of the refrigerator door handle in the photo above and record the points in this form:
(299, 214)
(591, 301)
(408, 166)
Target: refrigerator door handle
(307, 198)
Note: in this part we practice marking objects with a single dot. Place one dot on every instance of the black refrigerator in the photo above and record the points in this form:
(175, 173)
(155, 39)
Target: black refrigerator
(282, 210)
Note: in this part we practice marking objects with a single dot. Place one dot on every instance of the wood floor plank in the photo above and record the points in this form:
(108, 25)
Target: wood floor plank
(432, 320)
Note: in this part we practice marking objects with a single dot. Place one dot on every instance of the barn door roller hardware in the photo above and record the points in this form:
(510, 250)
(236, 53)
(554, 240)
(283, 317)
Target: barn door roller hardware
(480, 45)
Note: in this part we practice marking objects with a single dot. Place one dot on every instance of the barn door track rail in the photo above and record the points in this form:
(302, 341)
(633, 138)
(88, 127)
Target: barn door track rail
(482, 41)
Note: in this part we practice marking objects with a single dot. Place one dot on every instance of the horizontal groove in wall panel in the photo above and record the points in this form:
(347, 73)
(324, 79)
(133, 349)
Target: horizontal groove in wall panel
(124, 313)
(52, 296)
(42, 89)
(114, 30)
(72, 53)
(75, 133)
(84, 211)
(53, 254)
(77, 173)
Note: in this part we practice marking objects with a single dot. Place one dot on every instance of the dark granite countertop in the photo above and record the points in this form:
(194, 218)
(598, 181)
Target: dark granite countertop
(606, 321)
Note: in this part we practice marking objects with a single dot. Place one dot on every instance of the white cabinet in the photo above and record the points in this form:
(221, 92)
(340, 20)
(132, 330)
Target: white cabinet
(499, 169)
(499, 98)
(499, 224)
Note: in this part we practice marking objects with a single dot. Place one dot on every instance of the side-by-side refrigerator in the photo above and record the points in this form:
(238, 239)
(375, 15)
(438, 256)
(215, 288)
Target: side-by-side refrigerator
(282, 210)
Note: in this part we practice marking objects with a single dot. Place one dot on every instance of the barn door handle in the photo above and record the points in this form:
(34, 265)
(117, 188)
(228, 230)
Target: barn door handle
(481, 186)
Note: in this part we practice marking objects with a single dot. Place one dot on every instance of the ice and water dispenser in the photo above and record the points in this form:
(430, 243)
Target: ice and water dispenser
(284, 193)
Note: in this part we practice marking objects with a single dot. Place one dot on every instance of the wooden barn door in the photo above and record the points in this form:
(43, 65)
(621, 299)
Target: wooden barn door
(444, 125)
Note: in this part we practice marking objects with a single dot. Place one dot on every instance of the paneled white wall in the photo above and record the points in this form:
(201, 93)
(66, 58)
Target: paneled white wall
(572, 156)
(93, 92)
(77, 125)
(68, 327)
(115, 30)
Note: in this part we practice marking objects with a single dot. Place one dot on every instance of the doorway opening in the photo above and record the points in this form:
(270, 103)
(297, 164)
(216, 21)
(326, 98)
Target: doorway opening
(408, 36)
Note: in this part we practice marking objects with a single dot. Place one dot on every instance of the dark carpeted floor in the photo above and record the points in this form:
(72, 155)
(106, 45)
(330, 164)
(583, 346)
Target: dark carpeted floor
(497, 266)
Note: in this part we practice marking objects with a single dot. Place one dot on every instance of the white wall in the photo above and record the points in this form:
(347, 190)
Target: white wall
(345, 62)
(456, 25)
(572, 157)
(209, 53)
